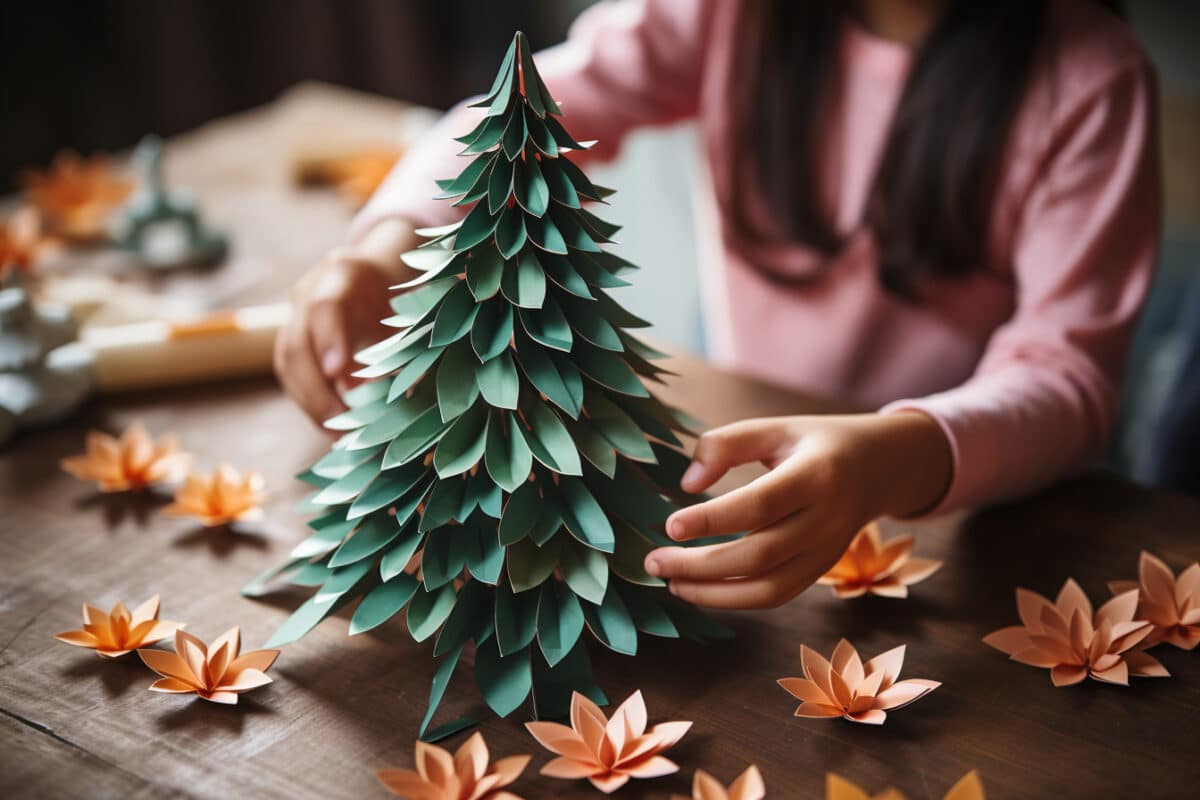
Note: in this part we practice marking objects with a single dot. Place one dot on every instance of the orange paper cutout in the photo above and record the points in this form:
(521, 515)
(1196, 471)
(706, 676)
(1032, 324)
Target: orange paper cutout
(355, 175)
(134, 461)
(219, 498)
(217, 672)
(1073, 642)
(969, 787)
(22, 242)
(466, 776)
(77, 195)
(1170, 604)
(870, 565)
(851, 689)
(118, 632)
(608, 752)
(748, 786)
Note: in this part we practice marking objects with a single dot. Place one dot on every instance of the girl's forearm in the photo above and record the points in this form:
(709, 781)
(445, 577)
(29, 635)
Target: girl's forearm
(913, 463)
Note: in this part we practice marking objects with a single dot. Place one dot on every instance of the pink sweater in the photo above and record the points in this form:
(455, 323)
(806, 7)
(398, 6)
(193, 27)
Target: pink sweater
(1020, 365)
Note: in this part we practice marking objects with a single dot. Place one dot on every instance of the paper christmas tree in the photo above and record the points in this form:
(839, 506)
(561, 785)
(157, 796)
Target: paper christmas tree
(504, 470)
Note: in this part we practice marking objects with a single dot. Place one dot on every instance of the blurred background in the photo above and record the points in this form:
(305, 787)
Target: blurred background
(97, 76)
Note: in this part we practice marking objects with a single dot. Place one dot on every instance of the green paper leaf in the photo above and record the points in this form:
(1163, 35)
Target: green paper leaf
(559, 621)
(510, 232)
(572, 379)
(313, 574)
(347, 488)
(413, 371)
(428, 259)
(530, 187)
(341, 581)
(489, 502)
(497, 381)
(520, 513)
(463, 445)
(532, 96)
(631, 498)
(596, 275)
(337, 464)
(586, 319)
(573, 233)
(549, 521)
(444, 502)
(441, 679)
(507, 457)
(457, 725)
(402, 413)
(550, 442)
(514, 136)
(492, 329)
(505, 77)
(258, 585)
(483, 137)
(580, 181)
(302, 620)
(553, 686)
(617, 428)
(593, 447)
(410, 307)
(564, 139)
(530, 565)
(428, 610)
(584, 517)
(541, 138)
(611, 624)
(330, 529)
(387, 489)
(608, 369)
(585, 570)
(516, 619)
(485, 557)
(382, 603)
(477, 227)
(484, 270)
(467, 178)
(559, 183)
(456, 389)
(416, 439)
(500, 186)
(648, 616)
(454, 316)
(547, 325)
(629, 558)
(470, 619)
(544, 375)
(376, 533)
(695, 624)
(651, 416)
(524, 282)
(614, 312)
(545, 234)
(504, 682)
(561, 270)
(601, 229)
(444, 556)
(400, 553)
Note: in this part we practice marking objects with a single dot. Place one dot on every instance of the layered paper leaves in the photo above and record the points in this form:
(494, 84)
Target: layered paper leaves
(133, 461)
(1170, 604)
(216, 672)
(873, 566)
(748, 786)
(220, 497)
(846, 687)
(119, 632)
(608, 752)
(77, 195)
(969, 787)
(465, 776)
(1073, 642)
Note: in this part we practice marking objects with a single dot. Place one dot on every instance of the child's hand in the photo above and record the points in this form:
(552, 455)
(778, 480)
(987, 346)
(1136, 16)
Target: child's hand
(336, 309)
(828, 477)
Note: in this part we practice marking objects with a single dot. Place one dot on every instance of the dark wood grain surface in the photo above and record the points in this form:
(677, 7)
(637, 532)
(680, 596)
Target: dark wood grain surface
(72, 725)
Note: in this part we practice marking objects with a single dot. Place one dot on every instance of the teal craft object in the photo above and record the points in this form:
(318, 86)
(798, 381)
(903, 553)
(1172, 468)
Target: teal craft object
(163, 227)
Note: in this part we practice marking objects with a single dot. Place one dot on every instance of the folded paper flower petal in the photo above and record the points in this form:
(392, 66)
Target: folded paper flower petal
(608, 752)
(846, 687)
(219, 498)
(22, 243)
(119, 631)
(77, 195)
(1170, 603)
(748, 786)
(464, 776)
(215, 672)
(1074, 642)
(872, 566)
(969, 787)
(134, 461)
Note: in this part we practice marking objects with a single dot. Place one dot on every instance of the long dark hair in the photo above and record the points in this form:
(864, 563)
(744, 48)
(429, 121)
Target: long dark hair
(932, 197)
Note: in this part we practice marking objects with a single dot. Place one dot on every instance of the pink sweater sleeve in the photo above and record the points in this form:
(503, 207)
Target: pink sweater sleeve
(622, 66)
(1043, 398)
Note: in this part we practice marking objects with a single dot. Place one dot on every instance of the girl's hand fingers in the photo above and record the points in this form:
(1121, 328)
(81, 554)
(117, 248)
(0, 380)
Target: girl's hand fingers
(298, 371)
(719, 450)
(765, 500)
(330, 342)
(769, 590)
(755, 554)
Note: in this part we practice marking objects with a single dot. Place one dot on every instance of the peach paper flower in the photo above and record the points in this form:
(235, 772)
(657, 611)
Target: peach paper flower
(77, 195)
(608, 752)
(134, 461)
(219, 498)
(21, 242)
(118, 632)
(849, 688)
(1171, 605)
(356, 175)
(748, 786)
(465, 776)
(216, 672)
(870, 565)
(969, 787)
(1073, 643)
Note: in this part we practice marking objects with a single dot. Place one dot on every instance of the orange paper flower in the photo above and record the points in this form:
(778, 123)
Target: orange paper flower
(356, 175)
(1171, 605)
(969, 787)
(219, 498)
(466, 776)
(76, 195)
(21, 242)
(1073, 643)
(883, 568)
(217, 672)
(849, 688)
(748, 786)
(134, 461)
(118, 632)
(608, 752)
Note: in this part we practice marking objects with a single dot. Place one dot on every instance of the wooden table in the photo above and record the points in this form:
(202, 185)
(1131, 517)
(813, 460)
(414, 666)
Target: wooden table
(76, 726)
